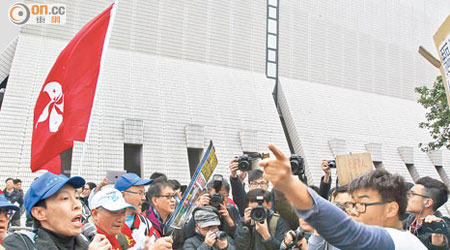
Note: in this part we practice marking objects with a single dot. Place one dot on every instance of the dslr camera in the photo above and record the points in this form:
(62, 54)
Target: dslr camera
(246, 160)
(216, 199)
(297, 235)
(260, 212)
(297, 165)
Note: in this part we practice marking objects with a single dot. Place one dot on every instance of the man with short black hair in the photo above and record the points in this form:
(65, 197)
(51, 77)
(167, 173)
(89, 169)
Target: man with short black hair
(54, 204)
(256, 180)
(379, 200)
(263, 235)
(425, 197)
(162, 200)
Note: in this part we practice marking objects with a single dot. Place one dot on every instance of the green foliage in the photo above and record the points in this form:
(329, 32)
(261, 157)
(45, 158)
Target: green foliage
(438, 115)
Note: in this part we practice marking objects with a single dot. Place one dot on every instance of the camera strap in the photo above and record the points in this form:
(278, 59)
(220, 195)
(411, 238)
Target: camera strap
(273, 223)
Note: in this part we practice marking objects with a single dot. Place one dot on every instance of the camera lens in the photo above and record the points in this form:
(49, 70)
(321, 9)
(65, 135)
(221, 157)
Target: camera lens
(258, 213)
(216, 200)
(221, 235)
(332, 163)
(244, 165)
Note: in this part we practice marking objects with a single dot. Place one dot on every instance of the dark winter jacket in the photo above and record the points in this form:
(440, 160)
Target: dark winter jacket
(424, 237)
(197, 242)
(44, 240)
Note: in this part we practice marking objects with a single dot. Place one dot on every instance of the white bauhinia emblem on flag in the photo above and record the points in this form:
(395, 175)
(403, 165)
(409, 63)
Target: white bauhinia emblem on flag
(56, 105)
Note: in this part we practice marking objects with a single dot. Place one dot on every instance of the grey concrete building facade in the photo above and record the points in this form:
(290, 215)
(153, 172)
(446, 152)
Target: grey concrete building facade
(181, 73)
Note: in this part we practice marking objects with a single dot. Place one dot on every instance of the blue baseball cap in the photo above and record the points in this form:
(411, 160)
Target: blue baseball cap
(128, 180)
(47, 185)
(4, 203)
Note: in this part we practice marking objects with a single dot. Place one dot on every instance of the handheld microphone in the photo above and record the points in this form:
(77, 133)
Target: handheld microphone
(89, 230)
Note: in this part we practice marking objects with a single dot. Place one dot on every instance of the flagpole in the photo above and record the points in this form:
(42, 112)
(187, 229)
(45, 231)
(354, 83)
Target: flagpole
(105, 48)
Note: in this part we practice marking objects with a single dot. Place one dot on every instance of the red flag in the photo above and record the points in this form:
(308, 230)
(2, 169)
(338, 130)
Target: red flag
(63, 107)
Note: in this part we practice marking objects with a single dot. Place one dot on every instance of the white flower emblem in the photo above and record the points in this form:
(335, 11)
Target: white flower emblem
(54, 91)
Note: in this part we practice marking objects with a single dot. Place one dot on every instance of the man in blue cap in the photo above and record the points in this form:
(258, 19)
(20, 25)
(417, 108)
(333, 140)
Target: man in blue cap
(136, 227)
(54, 204)
(7, 211)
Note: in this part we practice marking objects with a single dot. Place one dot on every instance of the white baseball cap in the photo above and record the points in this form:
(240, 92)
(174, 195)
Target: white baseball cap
(110, 199)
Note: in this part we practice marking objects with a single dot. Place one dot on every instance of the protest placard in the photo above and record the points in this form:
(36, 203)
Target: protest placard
(198, 183)
(442, 42)
(350, 166)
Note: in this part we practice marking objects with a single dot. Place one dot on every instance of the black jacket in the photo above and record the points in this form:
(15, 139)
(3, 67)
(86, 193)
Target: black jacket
(44, 240)
(424, 237)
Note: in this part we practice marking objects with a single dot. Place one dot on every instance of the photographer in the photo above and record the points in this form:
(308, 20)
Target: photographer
(255, 181)
(207, 235)
(379, 201)
(425, 197)
(218, 191)
(261, 228)
(325, 181)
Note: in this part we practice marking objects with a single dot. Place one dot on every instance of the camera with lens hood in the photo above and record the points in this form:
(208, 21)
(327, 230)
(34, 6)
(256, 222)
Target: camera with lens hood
(260, 212)
(216, 199)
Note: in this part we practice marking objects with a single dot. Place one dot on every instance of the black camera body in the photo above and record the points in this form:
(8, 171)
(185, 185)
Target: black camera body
(260, 212)
(438, 227)
(297, 165)
(297, 235)
(331, 163)
(246, 160)
(216, 199)
(221, 235)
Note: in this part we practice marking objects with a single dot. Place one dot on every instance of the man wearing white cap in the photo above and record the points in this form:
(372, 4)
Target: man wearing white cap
(136, 227)
(108, 211)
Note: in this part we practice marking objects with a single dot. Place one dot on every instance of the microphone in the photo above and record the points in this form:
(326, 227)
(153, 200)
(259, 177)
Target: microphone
(89, 230)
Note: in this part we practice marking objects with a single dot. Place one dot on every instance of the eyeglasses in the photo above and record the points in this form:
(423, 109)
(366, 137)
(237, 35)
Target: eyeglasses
(9, 213)
(340, 206)
(168, 196)
(411, 193)
(360, 207)
(140, 193)
(259, 184)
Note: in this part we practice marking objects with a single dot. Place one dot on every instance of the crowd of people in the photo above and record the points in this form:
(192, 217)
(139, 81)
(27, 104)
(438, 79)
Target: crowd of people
(377, 210)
